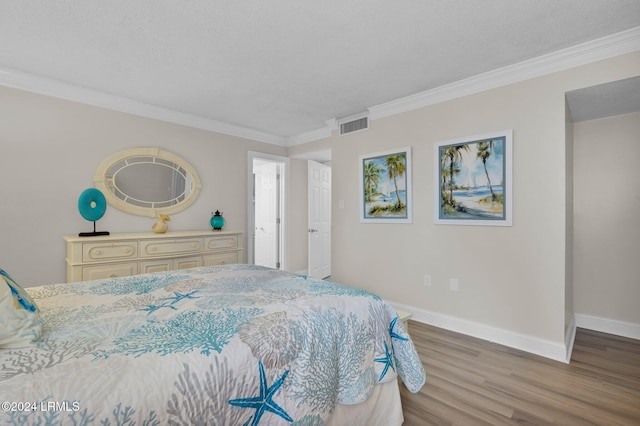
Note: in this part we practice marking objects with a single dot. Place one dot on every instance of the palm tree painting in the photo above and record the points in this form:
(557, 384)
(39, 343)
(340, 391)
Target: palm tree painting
(474, 180)
(386, 187)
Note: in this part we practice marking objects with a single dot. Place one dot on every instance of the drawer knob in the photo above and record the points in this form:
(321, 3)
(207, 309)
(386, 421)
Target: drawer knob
(153, 249)
(127, 250)
(98, 252)
(194, 245)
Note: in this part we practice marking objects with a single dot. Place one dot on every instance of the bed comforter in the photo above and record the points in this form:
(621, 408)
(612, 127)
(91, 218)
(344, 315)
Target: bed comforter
(226, 345)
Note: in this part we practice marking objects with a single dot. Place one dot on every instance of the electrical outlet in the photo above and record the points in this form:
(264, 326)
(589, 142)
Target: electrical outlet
(427, 280)
(454, 284)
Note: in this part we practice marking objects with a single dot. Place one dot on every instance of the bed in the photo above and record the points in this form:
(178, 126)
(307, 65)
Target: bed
(223, 345)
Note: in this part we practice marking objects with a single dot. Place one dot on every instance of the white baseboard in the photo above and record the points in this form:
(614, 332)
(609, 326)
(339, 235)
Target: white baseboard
(605, 325)
(546, 348)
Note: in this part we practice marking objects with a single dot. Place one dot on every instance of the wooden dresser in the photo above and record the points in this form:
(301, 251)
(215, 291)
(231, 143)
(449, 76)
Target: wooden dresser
(118, 255)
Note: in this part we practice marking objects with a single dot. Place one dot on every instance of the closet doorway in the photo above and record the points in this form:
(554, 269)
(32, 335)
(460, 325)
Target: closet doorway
(319, 206)
(315, 231)
(267, 210)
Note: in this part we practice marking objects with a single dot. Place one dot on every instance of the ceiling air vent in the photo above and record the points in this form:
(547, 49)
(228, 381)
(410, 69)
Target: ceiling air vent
(354, 125)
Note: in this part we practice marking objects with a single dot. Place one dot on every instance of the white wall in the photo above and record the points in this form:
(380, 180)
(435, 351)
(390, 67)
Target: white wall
(606, 204)
(513, 280)
(507, 275)
(50, 151)
(569, 323)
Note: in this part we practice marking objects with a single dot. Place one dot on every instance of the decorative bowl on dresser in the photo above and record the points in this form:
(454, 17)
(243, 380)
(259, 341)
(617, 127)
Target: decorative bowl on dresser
(119, 255)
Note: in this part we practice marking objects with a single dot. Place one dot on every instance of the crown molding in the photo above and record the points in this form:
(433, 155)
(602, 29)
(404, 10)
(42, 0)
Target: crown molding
(603, 48)
(59, 89)
(621, 43)
(313, 135)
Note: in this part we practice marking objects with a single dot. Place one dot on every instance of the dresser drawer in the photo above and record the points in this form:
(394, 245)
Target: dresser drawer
(94, 252)
(119, 255)
(220, 243)
(155, 248)
(159, 265)
(115, 270)
(187, 262)
(220, 259)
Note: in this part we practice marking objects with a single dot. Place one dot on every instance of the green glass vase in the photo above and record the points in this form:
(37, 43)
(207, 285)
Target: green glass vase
(217, 221)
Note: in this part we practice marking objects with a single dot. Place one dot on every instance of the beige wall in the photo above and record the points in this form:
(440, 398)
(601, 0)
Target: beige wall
(50, 151)
(606, 204)
(511, 278)
(299, 216)
(516, 279)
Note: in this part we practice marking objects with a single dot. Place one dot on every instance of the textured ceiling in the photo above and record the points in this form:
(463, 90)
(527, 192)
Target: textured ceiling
(285, 67)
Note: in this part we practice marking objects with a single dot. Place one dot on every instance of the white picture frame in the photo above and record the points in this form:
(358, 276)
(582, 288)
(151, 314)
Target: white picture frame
(473, 180)
(385, 178)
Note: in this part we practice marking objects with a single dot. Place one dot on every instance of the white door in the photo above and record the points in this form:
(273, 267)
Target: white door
(319, 220)
(267, 216)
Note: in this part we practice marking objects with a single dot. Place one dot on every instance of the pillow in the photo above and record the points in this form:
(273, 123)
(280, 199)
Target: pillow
(20, 322)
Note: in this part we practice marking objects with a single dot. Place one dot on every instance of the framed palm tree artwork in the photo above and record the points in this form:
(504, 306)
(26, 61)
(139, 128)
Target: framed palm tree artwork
(385, 187)
(473, 180)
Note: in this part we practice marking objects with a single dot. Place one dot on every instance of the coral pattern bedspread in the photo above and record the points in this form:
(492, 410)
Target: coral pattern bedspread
(224, 345)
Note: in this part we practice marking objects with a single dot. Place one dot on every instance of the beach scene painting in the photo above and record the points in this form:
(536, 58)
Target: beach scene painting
(385, 187)
(474, 178)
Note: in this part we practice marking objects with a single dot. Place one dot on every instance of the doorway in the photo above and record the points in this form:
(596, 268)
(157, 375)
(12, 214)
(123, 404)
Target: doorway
(267, 200)
(319, 192)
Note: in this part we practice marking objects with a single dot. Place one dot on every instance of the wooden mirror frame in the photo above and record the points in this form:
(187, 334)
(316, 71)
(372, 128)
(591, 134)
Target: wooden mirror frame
(102, 181)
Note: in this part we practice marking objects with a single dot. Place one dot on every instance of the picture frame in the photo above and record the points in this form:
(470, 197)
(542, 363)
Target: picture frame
(473, 180)
(385, 178)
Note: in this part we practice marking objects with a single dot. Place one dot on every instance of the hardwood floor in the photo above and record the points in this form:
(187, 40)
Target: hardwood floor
(475, 382)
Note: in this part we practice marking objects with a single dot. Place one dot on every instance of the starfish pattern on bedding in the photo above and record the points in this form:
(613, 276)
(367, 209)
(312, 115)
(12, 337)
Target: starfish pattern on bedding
(152, 308)
(387, 360)
(175, 299)
(392, 333)
(264, 402)
(180, 296)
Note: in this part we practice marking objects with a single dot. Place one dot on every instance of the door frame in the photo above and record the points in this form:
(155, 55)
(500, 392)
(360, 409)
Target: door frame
(284, 206)
(267, 214)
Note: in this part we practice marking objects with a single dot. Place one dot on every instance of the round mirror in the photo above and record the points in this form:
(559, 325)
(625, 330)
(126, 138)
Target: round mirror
(147, 181)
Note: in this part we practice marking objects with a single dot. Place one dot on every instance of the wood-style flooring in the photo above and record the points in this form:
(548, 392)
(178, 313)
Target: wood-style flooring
(475, 382)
